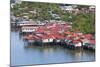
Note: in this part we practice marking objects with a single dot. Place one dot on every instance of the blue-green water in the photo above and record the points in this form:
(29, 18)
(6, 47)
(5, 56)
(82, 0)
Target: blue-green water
(21, 55)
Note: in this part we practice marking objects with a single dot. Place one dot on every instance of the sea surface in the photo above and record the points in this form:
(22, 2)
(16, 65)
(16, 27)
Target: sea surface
(33, 55)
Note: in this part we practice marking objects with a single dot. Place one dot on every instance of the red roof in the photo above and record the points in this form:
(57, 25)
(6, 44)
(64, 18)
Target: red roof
(36, 37)
(68, 32)
(76, 41)
(92, 42)
(51, 36)
(55, 35)
(88, 36)
(41, 30)
(29, 37)
(75, 35)
(69, 38)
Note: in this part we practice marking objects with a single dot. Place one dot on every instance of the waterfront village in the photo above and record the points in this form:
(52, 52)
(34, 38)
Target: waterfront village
(54, 32)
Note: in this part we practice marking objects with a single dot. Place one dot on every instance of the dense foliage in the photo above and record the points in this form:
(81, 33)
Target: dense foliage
(85, 23)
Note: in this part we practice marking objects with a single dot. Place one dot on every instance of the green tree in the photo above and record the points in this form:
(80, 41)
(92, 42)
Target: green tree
(85, 23)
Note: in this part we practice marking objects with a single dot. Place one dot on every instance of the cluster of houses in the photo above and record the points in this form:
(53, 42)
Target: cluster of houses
(56, 33)
(75, 10)
(53, 32)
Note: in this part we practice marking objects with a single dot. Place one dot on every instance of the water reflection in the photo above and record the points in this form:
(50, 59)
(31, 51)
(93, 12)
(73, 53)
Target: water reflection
(26, 55)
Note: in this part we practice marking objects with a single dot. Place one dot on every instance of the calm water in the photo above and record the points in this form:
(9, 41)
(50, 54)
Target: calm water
(21, 55)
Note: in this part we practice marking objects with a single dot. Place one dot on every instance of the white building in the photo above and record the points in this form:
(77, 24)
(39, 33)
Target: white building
(26, 23)
(27, 29)
(67, 8)
(92, 9)
(18, 1)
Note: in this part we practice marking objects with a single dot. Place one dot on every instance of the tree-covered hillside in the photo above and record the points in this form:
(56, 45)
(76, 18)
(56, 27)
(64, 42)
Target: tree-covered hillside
(85, 22)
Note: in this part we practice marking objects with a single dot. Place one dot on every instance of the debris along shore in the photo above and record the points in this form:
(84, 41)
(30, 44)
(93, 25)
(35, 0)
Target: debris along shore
(56, 33)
